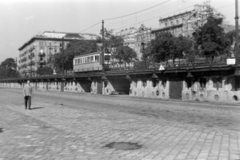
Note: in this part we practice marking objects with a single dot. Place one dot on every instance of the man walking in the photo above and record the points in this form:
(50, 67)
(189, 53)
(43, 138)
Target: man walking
(28, 94)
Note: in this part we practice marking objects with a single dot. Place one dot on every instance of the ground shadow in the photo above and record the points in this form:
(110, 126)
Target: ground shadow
(37, 108)
(1, 130)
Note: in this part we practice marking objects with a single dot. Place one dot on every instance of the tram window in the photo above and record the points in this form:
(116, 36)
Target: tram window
(75, 61)
(78, 60)
(91, 58)
(97, 58)
(107, 57)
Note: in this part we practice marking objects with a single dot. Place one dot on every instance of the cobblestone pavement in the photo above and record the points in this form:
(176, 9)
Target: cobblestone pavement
(72, 126)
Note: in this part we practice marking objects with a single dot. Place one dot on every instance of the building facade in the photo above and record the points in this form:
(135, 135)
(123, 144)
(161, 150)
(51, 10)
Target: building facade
(128, 36)
(183, 23)
(143, 36)
(37, 51)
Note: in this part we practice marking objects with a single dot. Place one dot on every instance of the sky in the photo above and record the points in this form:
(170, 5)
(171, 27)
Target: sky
(20, 20)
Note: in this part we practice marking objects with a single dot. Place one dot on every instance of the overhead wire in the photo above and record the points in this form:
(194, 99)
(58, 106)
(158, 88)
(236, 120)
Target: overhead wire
(153, 17)
(126, 15)
(137, 12)
(90, 27)
(163, 15)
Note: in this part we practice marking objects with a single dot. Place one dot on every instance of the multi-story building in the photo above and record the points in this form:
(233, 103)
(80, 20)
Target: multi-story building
(128, 36)
(143, 36)
(37, 51)
(183, 23)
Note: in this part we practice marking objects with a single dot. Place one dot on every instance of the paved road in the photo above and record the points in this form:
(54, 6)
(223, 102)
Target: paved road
(72, 126)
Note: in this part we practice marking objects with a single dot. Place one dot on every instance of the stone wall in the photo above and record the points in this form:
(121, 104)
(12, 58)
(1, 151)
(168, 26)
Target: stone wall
(223, 93)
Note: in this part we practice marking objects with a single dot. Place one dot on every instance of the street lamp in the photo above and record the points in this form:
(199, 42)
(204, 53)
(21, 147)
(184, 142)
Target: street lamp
(31, 63)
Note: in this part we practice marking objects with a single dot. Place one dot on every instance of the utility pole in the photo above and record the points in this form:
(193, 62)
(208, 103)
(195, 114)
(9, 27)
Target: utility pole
(236, 25)
(103, 46)
(237, 69)
(62, 56)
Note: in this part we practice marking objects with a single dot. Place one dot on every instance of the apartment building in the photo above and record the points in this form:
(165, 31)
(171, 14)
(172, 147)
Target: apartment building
(37, 51)
(183, 23)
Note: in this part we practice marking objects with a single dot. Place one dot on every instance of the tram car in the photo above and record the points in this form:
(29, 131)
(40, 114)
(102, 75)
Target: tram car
(90, 62)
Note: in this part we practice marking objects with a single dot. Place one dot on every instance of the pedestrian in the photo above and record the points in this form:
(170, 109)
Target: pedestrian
(28, 95)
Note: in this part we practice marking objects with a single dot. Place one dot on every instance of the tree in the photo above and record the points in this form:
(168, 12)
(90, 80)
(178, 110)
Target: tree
(44, 71)
(124, 54)
(65, 60)
(8, 69)
(111, 42)
(210, 37)
(115, 44)
(166, 46)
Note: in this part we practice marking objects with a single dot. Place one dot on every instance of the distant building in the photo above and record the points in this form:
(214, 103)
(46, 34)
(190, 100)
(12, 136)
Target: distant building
(128, 36)
(42, 46)
(228, 27)
(143, 36)
(183, 23)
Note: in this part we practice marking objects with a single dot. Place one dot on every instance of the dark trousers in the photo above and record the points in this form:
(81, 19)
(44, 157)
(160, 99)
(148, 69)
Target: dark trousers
(27, 102)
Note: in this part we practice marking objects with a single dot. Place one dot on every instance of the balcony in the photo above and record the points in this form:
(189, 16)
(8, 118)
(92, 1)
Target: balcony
(42, 54)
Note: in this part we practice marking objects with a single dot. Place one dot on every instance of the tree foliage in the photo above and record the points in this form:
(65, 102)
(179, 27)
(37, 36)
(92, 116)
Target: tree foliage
(8, 69)
(166, 46)
(124, 54)
(44, 71)
(115, 45)
(210, 37)
(64, 60)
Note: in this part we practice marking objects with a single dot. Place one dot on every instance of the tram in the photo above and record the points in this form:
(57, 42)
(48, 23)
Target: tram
(90, 62)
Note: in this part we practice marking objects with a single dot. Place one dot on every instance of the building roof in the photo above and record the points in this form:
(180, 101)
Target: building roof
(187, 12)
(167, 28)
(60, 36)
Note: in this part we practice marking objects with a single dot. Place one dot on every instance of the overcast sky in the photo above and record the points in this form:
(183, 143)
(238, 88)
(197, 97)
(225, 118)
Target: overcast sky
(20, 20)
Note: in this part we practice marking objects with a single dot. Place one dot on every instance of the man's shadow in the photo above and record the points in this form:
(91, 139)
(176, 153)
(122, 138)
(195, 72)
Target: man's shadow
(1, 130)
(36, 108)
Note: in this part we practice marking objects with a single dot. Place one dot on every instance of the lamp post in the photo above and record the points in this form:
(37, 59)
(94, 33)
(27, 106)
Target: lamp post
(41, 54)
(31, 63)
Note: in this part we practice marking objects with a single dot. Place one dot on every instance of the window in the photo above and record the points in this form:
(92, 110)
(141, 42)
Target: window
(97, 58)
(78, 60)
(91, 58)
